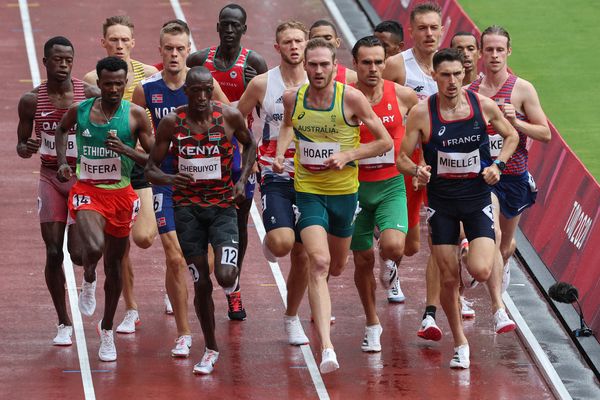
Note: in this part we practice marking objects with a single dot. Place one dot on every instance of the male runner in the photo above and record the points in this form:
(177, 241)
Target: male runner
(204, 194)
(41, 109)
(451, 126)
(102, 201)
(277, 189)
(327, 31)
(468, 44)
(391, 35)
(118, 42)
(381, 194)
(322, 117)
(233, 66)
(516, 191)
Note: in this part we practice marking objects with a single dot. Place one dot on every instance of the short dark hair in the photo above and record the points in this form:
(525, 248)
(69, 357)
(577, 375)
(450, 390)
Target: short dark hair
(393, 27)
(234, 6)
(496, 30)
(464, 33)
(367, 41)
(57, 41)
(324, 22)
(425, 8)
(111, 64)
(319, 42)
(448, 54)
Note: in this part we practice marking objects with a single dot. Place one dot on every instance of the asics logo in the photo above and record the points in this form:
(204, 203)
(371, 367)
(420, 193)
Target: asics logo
(301, 115)
(442, 130)
(45, 114)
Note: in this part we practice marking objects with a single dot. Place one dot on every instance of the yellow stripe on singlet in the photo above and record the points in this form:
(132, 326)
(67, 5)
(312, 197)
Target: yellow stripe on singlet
(138, 76)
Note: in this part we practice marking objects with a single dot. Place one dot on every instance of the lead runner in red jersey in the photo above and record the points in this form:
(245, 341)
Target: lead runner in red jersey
(40, 110)
(233, 66)
(381, 194)
(204, 197)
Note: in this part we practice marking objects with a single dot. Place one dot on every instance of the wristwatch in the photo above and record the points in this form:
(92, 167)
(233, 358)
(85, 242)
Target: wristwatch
(500, 164)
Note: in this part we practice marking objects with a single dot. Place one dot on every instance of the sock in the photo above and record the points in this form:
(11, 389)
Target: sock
(430, 310)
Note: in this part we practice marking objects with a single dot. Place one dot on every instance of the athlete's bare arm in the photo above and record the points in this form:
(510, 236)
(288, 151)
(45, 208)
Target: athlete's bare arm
(91, 77)
(90, 90)
(253, 95)
(27, 145)
(407, 98)
(67, 122)
(351, 76)
(394, 69)
(198, 58)
(286, 131)
(417, 132)
(526, 99)
(235, 125)
(149, 70)
(138, 96)
(255, 65)
(218, 93)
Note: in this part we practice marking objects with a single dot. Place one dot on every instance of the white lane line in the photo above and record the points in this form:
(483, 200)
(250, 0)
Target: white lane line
(556, 384)
(180, 15)
(341, 22)
(28, 33)
(84, 362)
(276, 270)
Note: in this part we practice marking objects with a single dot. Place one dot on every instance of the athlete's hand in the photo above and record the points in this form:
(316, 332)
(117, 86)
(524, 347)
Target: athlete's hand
(181, 180)
(491, 174)
(278, 164)
(510, 113)
(115, 144)
(415, 184)
(423, 174)
(249, 73)
(239, 192)
(337, 161)
(26, 150)
(64, 173)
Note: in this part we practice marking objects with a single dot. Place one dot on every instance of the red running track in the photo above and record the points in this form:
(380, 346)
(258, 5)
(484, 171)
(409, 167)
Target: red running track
(255, 360)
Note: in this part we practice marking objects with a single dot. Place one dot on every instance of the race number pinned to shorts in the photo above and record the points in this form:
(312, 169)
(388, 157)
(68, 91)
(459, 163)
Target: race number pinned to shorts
(380, 161)
(496, 142)
(39, 202)
(80, 200)
(194, 272)
(135, 210)
(429, 211)
(313, 155)
(157, 201)
(201, 168)
(296, 211)
(531, 181)
(489, 211)
(229, 256)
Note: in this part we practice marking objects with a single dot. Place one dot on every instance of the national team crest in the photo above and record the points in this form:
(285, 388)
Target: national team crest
(157, 98)
(233, 74)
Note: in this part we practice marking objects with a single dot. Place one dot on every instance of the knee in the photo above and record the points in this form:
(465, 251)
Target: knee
(392, 251)
(92, 252)
(144, 241)
(226, 275)
(364, 261)
(508, 249)
(279, 246)
(336, 267)
(319, 265)
(448, 278)
(54, 255)
(175, 263)
(480, 271)
(411, 248)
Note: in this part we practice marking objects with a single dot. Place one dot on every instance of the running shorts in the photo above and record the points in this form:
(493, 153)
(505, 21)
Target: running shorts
(515, 193)
(53, 196)
(335, 213)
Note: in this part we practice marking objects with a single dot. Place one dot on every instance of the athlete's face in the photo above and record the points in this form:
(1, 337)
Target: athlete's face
(118, 41)
(231, 27)
(319, 66)
(326, 33)
(369, 64)
(426, 31)
(391, 45)
(449, 76)
(468, 45)
(112, 85)
(290, 45)
(59, 63)
(174, 50)
(199, 93)
(495, 52)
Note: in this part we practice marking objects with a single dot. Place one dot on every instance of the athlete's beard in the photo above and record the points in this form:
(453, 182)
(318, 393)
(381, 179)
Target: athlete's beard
(326, 83)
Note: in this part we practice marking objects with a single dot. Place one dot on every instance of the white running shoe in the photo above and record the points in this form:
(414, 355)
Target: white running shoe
(502, 323)
(107, 350)
(131, 320)
(63, 336)
(461, 357)
(429, 329)
(87, 298)
(207, 364)
(372, 339)
(267, 253)
(168, 305)
(506, 277)
(395, 294)
(388, 273)
(329, 362)
(294, 330)
(182, 346)
(465, 308)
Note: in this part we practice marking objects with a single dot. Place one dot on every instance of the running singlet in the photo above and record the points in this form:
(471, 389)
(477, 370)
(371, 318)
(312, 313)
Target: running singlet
(161, 100)
(268, 124)
(207, 156)
(46, 120)
(517, 163)
(232, 79)
(416, 79)
(318, 134)
(138, 76)
(383, 166)
(340, 75)
(96, 164)
(457, 151)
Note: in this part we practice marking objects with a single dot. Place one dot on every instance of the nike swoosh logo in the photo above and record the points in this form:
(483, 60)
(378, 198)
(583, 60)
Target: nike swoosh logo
(45, 114)
(234, 242)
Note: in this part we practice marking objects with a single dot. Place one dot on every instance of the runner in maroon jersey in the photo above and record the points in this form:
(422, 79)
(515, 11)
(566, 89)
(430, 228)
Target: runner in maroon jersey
(328, 32)
(233, 66)
(42, 109)
(204, 193)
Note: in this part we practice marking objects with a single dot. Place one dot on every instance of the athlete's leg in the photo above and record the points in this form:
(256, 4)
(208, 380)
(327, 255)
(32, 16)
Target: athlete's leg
(243, 213)
(74, 244)
(175, 280)
(92, 243)
(339, 251)
(53, 234)
(113, 255)
(447, 263)
(364, 262)
(203, 301)
(297, 280)
(508, 243)
(280, 241)
(494, 284)
(412, 243)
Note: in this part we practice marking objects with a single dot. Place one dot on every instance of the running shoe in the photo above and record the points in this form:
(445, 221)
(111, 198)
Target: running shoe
(506, 277)
(388, 273)
(63, 336)
(467, 279)
(182, 346)
(87, 298)
(329, 362)
(429, 329)
(131, 320)
(395, 294)
(294, 330)
(502, 323)
(465, 308)
(207, 364)
(267, 253)
(107, 350)
(236, 311)
(461, 357)
(372, 340)
(168, 305)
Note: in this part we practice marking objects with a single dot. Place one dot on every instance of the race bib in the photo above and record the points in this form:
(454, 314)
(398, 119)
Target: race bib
(100, 169)
(157, 202)
(201, 168)
(48, 147)
(379, 161)
(313, 155)
(495, 145)
(458, 165)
